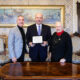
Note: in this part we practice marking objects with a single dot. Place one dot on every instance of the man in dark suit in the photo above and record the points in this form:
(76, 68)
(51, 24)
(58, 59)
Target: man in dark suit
(38, 50)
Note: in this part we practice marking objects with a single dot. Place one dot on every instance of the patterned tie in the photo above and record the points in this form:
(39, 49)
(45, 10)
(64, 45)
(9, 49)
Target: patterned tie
(39, 31)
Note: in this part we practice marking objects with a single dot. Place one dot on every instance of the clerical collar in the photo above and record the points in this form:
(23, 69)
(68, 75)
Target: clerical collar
(60, 33)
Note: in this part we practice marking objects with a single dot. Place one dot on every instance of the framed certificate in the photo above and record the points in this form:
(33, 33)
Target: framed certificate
(37, 39)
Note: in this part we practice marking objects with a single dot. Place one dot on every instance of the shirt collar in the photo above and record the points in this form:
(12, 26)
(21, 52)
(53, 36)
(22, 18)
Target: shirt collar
(38, 26)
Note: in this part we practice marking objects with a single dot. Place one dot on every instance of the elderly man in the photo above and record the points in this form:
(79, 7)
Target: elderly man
(38, 36)
(16, 41)
(61, 45)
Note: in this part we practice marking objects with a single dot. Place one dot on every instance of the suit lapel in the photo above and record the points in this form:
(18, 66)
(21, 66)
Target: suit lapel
(42, 29)
(35, 30)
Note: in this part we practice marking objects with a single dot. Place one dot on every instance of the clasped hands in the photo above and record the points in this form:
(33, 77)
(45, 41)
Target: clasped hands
(43, 44)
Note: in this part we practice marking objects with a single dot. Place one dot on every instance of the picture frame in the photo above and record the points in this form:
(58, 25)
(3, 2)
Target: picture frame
(51, 14)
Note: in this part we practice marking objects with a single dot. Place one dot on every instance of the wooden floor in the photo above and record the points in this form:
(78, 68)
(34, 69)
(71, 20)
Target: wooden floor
(40, 70)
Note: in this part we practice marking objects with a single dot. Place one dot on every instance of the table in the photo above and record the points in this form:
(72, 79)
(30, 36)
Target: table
(39, 70)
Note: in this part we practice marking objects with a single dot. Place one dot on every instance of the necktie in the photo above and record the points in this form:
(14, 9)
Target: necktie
(39, 31)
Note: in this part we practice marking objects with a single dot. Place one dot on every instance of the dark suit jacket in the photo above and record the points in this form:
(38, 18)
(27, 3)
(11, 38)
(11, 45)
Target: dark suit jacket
(32, 31)
(38, 52)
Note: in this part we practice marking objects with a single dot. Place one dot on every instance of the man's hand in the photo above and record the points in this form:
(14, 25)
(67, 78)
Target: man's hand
(63, 60)
(31, 44)
(14, 60)
(44, 43)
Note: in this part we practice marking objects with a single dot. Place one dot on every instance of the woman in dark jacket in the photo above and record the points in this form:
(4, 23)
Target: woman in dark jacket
(61, 45)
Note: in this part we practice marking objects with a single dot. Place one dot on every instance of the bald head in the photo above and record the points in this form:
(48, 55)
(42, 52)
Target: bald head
(59, 27)
(58, 23)
(39, 18)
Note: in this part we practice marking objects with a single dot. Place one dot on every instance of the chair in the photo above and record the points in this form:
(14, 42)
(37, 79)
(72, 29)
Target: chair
(1, 45)
(76, 49)
(3, 53)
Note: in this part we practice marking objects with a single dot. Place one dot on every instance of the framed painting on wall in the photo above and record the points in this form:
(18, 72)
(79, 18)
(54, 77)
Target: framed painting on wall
(8, 14)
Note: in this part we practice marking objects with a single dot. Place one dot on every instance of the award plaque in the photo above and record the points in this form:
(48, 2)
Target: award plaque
(37, 39)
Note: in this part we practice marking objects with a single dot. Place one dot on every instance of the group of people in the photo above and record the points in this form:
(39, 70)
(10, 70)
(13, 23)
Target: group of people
(39, 39)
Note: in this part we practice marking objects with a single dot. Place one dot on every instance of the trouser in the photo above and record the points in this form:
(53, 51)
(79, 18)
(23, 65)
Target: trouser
(38, 53)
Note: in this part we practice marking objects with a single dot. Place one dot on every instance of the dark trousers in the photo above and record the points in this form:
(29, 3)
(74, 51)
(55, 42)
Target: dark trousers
(38, 53)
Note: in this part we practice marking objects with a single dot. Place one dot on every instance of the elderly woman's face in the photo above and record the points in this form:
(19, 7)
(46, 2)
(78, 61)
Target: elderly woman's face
(59, 27)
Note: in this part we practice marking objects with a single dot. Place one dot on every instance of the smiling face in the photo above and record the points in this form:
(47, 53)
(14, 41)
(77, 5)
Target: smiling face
(38, 18)
(59, 27)
(20, 21)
